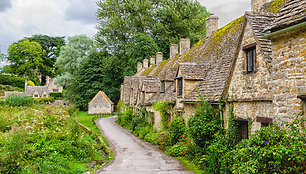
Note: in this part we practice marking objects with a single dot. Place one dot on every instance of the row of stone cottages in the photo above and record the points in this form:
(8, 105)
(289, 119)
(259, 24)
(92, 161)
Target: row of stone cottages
(258, 60)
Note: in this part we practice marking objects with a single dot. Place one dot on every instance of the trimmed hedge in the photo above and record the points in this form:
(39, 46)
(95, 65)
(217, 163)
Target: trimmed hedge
(56, 95)
(12, 80)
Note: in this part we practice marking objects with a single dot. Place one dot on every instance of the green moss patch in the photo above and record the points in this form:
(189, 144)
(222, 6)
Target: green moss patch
(276, 5)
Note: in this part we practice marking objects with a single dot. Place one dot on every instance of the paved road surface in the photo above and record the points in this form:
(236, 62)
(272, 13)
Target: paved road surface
(133, 156)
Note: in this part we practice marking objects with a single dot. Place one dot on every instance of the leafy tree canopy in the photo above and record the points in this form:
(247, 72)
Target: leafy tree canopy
(26, 59)
(52, 46)
(141, 46)
(71, 57)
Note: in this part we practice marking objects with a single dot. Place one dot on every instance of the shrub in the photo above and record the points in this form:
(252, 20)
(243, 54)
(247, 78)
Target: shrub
(44, 100)
(204, 124)
(56, 95)
(125, 118)
(18, 100)
(165, 109)
(30, 83)
(176, 129)
(12, 80)
(181, 148)
(274, 149)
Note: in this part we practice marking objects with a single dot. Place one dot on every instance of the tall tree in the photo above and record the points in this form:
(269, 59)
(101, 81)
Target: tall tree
(52, 46)
(26, 59)
(89, 79)
(141, 46)
(72, 55)
(179, 19)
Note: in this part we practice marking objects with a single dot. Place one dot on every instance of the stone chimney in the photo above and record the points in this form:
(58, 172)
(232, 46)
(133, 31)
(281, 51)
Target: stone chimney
(145, 63)
(159, 57)
(211, 25)
(173, 50)
(152, 60)
(139, 66)
(257, 4)
(184, 46)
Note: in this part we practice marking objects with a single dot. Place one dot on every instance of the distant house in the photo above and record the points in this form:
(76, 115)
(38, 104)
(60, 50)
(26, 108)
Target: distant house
(42, 91)
(100, 104)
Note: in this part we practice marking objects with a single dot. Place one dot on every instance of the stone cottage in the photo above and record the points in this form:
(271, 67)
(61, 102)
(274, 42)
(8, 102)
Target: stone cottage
(100, 104)
(256, 63)
(42, 91)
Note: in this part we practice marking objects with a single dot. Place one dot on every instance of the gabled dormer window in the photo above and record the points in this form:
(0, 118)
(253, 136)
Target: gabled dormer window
(162, 88)
(250, 51)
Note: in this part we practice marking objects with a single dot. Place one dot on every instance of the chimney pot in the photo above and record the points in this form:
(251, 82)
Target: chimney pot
(139, 66)
(173, 50)
(184, 45)
(159, 57)
(145, 63)
(152, 60)
(211, 25)
(257, 4)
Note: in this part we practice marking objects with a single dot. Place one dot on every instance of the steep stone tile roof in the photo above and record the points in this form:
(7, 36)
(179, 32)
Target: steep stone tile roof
(30, 90)
(293, 12)
(168, 95)
(151, 85)
(193, 71)
(219, 52)
(259, 21)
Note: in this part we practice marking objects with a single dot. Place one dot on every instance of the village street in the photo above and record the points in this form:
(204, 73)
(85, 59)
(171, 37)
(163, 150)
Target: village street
(133, 156)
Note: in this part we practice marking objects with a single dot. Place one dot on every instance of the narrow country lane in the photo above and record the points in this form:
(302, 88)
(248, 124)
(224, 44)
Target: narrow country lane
(133, 156)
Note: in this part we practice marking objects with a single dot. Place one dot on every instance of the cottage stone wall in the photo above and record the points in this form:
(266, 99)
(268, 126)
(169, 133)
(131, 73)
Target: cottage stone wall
(289, 74)
(251, 93)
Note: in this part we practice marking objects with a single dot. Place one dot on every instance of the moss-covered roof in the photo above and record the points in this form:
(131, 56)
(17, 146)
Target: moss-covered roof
(218, 53)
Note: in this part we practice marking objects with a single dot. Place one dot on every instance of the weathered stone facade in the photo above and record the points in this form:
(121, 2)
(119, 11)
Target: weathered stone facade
(249, 61)
(100, 104)
(289, 73)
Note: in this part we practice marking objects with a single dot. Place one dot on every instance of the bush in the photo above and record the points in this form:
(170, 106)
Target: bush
(12, 80)
(124, 119)
(204, 124)
(44, 100)
(176, 129)
(18, 100)
(165, 112)
(56, 95)
(274, 149)
(181, 148)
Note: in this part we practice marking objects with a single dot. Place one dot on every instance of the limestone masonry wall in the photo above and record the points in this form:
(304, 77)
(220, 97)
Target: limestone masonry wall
(289, 74)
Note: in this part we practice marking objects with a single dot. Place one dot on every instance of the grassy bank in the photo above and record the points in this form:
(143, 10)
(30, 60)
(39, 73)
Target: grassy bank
(89, 121)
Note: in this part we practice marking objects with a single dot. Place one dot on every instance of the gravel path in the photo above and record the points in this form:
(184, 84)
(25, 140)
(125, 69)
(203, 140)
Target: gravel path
(133, 156)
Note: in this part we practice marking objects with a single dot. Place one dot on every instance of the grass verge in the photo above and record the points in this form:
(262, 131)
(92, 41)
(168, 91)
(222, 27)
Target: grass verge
(89, 121)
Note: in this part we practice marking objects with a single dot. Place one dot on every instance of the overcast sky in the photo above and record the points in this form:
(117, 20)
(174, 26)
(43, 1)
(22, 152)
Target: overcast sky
(23, 18)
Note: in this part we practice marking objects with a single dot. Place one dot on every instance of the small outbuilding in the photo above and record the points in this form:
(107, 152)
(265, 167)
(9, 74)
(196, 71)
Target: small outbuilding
(100, 104)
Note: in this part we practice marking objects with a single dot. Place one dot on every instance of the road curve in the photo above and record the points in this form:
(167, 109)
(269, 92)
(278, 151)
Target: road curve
(133, 156)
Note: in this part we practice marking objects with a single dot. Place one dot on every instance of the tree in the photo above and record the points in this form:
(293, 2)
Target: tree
(52, 46)
(89, 79)
(179, 19)
(119, 20)
(141, 46)
(26, 59)
(71, 56)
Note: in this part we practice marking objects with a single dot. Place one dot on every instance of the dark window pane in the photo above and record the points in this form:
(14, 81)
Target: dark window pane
(180, 81)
